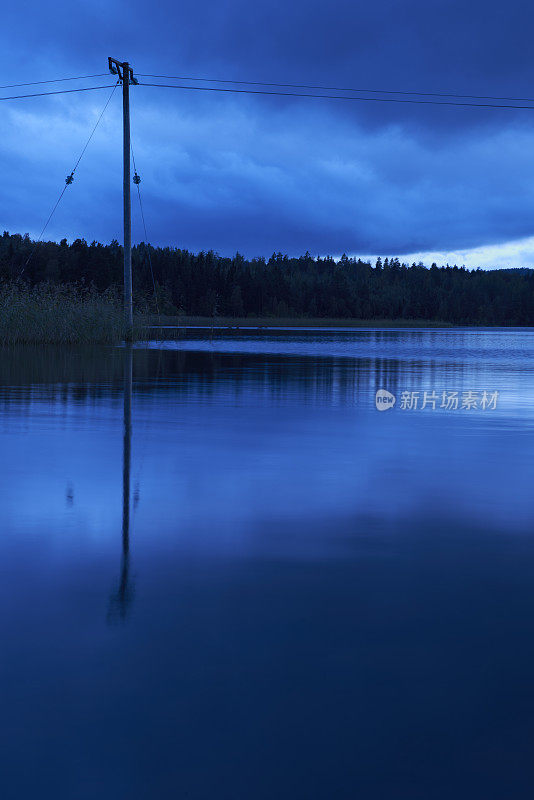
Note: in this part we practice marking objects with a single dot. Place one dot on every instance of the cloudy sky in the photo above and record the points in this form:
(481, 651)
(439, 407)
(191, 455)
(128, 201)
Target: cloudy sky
(261, 174)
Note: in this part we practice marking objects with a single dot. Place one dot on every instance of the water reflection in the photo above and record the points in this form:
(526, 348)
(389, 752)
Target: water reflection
(122, 599)
(87, 376)
(329, 601)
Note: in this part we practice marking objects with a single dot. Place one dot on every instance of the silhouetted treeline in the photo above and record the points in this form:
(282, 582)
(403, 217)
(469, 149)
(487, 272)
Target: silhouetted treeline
(206, 284)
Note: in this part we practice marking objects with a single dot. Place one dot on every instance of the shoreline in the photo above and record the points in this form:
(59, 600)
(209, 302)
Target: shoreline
(270, 323)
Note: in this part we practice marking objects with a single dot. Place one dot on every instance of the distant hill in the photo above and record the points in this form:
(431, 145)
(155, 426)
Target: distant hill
(515, 269)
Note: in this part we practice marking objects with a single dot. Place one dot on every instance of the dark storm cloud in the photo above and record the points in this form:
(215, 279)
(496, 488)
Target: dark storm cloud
(261, 174)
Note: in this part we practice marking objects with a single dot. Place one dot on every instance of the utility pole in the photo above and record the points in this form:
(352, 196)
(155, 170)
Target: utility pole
(125, 74)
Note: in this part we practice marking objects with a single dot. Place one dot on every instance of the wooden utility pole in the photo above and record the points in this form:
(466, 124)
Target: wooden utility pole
(125, 74)
(128, 313)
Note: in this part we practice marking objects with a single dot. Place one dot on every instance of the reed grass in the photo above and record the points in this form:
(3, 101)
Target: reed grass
(59, 314)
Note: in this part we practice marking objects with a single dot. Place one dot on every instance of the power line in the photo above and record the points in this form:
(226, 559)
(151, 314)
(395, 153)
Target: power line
(59, 91)
(336, 96)
(301, 94)
(278, 85)
(137, 181)
(284, 94)
(69, 178)
(54, 80)
(32, 251)
(341, 89)
(97, 123)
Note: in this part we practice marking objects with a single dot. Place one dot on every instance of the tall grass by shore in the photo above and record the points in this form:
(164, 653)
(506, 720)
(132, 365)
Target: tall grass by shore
(59, 314)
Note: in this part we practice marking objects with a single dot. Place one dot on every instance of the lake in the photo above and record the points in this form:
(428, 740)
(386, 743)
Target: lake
(224, 573)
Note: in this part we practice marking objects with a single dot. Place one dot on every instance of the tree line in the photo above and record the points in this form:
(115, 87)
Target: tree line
(207, 284)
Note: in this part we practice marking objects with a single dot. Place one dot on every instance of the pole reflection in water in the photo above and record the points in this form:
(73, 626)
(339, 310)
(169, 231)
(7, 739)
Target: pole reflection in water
(121, 600)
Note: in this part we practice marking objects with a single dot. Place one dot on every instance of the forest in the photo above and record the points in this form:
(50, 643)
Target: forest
(207, 284)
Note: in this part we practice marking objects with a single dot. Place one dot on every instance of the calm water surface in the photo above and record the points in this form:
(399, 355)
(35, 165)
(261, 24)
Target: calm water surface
(239, 580)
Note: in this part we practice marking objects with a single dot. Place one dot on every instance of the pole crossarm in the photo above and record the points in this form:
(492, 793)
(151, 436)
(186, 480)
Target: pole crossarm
(120, 69)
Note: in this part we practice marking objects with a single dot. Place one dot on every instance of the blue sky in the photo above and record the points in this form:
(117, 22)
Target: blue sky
(262, 174)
